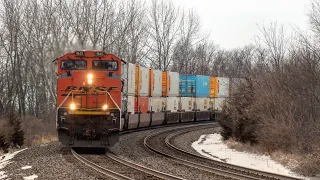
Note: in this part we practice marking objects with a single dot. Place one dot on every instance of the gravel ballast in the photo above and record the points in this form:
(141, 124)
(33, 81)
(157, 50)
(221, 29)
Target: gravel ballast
(47, 162)
(132, 148)
(50, 161)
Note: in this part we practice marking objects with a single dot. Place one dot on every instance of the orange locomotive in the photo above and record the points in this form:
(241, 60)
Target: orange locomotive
(89, 95)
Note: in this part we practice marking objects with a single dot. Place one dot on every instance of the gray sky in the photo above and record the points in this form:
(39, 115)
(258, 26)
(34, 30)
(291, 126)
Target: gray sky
(233, 23)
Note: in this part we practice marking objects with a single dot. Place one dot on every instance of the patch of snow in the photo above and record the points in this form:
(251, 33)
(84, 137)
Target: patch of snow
(4, 160)
(30, 177)
(26, 167)
(2, 175)
(212, 146)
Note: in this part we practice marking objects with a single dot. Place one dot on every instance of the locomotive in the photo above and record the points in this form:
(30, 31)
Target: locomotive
(89, 98)
(99, 95)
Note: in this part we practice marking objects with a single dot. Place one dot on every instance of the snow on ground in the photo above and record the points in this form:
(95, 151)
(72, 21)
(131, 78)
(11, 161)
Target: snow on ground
(30, 177)
(213, 147)
(26, 167)
(5, 160)
(2, 175)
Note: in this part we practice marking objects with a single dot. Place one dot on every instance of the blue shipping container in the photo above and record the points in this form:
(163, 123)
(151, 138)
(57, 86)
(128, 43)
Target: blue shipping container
(202, 86)
(187, 85)
(194, 85)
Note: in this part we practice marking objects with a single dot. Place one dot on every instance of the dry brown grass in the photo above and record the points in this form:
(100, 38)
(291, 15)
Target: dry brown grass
(36, 131)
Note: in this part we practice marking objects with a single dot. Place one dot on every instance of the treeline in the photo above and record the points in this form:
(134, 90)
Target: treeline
(277, 107)
(152, 33)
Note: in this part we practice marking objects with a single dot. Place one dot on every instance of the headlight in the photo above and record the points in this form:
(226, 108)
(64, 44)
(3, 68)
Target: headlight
(72, 106)
(90, 76)
(105, 107)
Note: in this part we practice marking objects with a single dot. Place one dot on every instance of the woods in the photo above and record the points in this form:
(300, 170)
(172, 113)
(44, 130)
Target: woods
(280, 101)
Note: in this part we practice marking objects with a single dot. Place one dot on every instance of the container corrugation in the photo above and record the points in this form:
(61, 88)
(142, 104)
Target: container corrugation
(170, 84)
(174, 84)
(219, 103)
(155, 87)
(234, 85)
(223, 87)
(172, 104)
(214, 87)
(156, 104)
(141, 104)
(130, 104)
(202, 86)
(202, 103)
(187, 85)
(142, 81)
(165, 83)
(131, 79)
(187, 104)
(137, 81)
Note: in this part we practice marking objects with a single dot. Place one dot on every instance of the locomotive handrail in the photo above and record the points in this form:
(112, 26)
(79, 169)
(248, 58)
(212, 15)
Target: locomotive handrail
(82, 91)
(66, 98)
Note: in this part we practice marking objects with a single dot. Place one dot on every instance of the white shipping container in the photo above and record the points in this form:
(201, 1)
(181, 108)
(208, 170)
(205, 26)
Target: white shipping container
(174, 84)
(156, 103)
(144, 84)
(202, 104)
(172, 103)
(223, 91)
(131, 79)
(130, 106)
(219, 103)
(187, 104)
(157, 83)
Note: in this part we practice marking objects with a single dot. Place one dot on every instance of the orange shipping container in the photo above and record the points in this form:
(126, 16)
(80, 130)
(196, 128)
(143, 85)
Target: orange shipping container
(138, 81)
(170, 84)
(214, 87)
(165, 83)
(141, 104)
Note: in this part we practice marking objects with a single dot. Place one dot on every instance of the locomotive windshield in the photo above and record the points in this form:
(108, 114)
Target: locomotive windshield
(73, 64)
(109, 65)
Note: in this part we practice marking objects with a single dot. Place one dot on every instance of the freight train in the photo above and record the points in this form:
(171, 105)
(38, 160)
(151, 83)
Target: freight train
(99, 95)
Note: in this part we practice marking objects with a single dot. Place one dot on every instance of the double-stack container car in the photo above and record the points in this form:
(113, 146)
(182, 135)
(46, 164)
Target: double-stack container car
(99, 95)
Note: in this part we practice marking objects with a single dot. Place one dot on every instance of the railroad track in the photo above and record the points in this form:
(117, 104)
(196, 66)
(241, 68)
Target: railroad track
(121, 169)
(161, 143)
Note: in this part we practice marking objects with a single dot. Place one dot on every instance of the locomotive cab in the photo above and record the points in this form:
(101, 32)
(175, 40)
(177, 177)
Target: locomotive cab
(89, 91)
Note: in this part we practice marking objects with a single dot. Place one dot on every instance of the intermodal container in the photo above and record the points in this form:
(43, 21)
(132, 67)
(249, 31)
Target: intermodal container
(142, 81)
(219, 103)
(130, 104)
(202, 103)
(141, 104)
(202, 86)
(223, 91)
(187, 85)
(172, 104)
(155, 85)
(131, 75)
(187, 104)
(214, 87)
(170, 84)
(156, 104)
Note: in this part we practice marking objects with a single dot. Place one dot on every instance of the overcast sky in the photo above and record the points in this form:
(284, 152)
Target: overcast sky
(233, 23)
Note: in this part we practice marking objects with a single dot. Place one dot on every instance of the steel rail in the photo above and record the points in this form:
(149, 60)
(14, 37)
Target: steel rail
(264, 175)
(100, 169)
(227, 165)
(143, 168)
